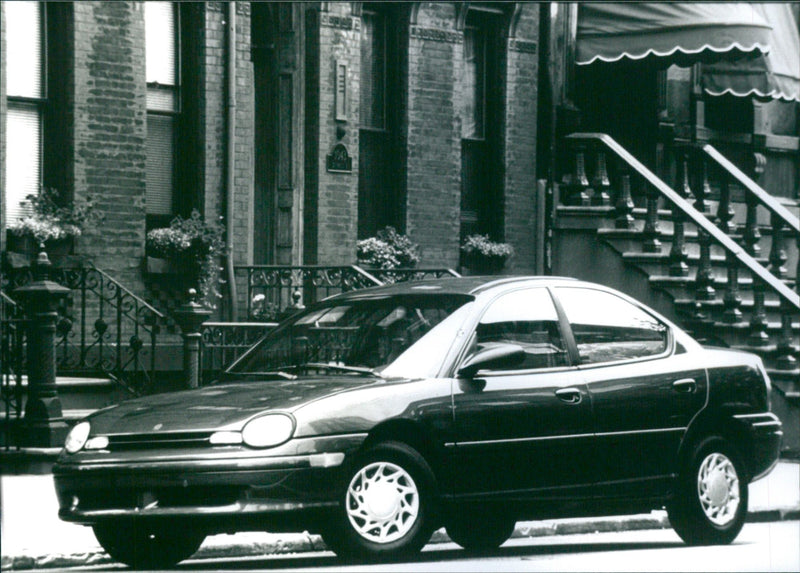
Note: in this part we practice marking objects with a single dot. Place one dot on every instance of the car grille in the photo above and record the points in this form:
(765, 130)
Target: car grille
(124, 442)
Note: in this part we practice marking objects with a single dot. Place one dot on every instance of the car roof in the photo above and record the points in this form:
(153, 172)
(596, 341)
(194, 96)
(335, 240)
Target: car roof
(472, 285)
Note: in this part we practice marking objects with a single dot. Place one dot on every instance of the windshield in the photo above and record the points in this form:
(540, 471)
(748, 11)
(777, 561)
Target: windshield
(399, 336)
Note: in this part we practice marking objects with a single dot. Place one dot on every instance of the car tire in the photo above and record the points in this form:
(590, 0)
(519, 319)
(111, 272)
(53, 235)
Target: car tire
(481, 530)
(387, 505)
(147, 547)
(710, 502)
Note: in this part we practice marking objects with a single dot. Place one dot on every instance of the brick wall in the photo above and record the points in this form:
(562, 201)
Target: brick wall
(212, 109)
(434, 145)
(337, 193)
(110, 131)
(520, 139)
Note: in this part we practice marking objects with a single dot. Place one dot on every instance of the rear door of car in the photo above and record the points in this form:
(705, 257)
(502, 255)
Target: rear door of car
(527, 432)
(643, 389)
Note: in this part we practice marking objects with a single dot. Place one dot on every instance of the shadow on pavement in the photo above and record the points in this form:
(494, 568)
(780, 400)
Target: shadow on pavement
(437, 555)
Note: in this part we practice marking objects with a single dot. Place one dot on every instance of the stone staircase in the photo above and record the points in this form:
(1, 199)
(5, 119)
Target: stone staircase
(733, 285)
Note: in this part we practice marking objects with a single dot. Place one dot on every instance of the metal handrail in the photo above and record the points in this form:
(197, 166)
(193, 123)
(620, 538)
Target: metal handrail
(695, 216)
(768, 201)
(127, 291)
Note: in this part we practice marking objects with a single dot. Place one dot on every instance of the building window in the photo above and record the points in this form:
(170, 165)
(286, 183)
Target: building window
(373, 70)
(481, 85)
(474, 83)
(380, 190)
(163, 104)
(27, 92)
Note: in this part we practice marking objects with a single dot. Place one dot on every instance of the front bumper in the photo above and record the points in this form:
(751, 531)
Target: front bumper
(225, 489)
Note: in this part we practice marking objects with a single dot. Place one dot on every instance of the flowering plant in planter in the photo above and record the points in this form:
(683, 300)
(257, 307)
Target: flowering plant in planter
(193, 246)
(484, 255)
(388, 249)
(52, 219)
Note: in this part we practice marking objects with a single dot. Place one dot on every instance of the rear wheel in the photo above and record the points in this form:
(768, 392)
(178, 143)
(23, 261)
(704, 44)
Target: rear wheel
(387, 505)
(710, 505)
(481, 530)
(142, 546)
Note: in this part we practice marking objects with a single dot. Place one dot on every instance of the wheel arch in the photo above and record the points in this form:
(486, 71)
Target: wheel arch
(410, 433)
(724, 425)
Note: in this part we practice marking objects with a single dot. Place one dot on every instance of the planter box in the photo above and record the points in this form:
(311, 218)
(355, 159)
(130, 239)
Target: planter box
(27, 245)
(480, 265)
(158, 266)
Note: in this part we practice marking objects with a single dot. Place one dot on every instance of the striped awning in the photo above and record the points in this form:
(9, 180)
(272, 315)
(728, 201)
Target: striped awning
(775, 75)
(677, 33)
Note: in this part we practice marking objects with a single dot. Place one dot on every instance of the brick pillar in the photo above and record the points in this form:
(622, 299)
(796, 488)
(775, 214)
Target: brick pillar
(433, 205)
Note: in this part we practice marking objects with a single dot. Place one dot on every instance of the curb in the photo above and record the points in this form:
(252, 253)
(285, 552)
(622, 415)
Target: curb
(285, 544)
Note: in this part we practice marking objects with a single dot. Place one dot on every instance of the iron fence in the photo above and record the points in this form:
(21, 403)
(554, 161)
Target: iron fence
(103, 328)
(12, 363)
(273, 291)
(224, 342)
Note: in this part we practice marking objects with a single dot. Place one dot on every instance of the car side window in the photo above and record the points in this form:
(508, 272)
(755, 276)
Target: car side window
(608, 328)
(528, 318)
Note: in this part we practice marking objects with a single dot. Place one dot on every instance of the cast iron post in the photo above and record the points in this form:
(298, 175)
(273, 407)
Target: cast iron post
(43, 424)
(190, 318)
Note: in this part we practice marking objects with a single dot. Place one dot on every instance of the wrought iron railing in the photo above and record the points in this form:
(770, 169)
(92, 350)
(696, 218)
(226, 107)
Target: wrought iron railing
(274, 290)
(12, 362)
(103, 328)
(224, 342)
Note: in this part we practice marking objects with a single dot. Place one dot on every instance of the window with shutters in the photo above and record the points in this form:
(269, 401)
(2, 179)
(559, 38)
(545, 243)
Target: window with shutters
(27, 93)
(163, 105)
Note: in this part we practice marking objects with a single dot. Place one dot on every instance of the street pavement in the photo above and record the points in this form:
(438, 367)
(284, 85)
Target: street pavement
(33, 537)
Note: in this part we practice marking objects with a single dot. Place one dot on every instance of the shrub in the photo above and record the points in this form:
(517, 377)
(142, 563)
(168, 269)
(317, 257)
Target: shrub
(482, 246)
(52, 218)
(388, 249)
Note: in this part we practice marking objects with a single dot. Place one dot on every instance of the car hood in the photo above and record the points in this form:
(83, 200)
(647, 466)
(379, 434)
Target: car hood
(216, 407)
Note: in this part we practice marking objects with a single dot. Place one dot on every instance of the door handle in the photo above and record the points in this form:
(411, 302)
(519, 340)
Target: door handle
(569, 395)
(685, 385)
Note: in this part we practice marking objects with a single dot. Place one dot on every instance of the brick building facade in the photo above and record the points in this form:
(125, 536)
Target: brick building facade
(324, 123)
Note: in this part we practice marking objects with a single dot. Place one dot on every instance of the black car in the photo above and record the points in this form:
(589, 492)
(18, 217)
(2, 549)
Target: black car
(377, 416)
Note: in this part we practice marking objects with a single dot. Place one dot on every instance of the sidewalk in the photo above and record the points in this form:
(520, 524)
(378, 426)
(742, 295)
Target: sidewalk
(33, 536)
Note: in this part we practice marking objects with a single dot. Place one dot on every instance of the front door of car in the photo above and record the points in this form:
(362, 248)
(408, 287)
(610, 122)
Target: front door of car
(644, 395)
(526, 431)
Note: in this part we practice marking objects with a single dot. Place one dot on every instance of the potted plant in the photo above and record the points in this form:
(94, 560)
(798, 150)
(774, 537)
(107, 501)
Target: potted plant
(484, 256)
(387, 250)
(51, 221)
(190, 247)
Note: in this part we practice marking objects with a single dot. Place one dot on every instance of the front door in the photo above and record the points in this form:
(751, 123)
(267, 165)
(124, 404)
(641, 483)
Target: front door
(525, 432)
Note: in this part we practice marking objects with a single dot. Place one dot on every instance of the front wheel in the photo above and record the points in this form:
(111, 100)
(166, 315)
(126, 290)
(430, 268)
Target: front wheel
(710, 505)
(143, 546)
(386, 507)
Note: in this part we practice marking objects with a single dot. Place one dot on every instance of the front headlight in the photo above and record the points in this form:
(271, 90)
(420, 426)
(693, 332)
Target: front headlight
(77, 437)
(268, 431)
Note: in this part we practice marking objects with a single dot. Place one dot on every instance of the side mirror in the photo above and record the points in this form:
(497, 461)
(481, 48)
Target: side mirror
(498, 356)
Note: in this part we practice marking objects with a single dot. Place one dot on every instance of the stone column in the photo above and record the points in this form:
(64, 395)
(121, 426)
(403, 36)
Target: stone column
(43, 424)
(190, 318)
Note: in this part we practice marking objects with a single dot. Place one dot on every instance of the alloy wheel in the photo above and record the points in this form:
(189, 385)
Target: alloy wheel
(382, 502)
(718, 489)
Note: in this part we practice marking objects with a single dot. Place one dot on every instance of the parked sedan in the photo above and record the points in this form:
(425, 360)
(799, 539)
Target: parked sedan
(378, 416)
